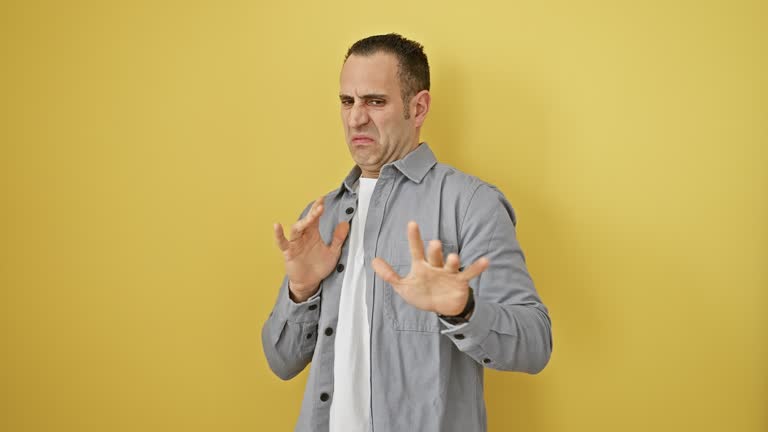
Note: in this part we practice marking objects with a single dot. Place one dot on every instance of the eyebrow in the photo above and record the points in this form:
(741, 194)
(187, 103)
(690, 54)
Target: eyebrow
(366, 96)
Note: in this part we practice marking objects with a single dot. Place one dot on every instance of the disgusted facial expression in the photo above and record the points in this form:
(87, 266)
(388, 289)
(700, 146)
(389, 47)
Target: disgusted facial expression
(379, 127)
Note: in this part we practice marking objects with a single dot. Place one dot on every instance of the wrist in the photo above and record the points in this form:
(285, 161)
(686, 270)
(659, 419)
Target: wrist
(465, 314)
(300, 294)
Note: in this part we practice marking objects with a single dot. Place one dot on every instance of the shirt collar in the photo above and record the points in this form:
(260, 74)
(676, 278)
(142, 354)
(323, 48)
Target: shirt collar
(414, 165)
(417, 163)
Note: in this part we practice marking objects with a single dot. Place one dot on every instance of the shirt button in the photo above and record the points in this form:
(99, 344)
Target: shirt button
(324, 397)
(340, 268)
(312, 307)
(328, 331)
(459, 336)
(309, 335)
(350, 210)
(486, 360)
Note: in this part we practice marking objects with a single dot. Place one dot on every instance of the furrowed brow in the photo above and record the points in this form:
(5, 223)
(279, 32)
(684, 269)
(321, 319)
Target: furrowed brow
(365, 96)
(373, 96)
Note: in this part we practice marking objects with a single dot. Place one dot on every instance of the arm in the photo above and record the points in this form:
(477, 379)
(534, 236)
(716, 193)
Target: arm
(289, 334)
(510, 328)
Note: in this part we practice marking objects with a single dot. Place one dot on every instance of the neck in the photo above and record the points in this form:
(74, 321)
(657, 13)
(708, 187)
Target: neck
(370, 173)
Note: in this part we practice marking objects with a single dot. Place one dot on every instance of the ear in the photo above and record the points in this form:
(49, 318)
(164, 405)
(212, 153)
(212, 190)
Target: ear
(420, 107)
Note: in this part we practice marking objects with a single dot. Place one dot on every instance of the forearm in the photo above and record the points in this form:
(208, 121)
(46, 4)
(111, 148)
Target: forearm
(289, 334)
(515, 337)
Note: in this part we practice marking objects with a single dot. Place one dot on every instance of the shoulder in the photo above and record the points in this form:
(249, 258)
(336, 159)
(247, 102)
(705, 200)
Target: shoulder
(474, 194)
(463, 183)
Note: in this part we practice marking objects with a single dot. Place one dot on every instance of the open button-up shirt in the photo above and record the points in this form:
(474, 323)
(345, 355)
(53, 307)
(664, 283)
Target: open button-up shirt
(426, 375)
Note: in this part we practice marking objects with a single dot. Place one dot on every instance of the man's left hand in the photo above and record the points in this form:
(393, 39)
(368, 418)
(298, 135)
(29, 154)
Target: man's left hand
(432, 285)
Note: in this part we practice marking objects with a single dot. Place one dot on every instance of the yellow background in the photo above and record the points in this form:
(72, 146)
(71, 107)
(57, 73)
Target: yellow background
(147, 147)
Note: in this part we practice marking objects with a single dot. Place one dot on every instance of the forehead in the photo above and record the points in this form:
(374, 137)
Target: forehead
(376, 73)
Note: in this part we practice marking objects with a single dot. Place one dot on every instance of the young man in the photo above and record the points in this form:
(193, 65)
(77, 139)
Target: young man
(375, 295)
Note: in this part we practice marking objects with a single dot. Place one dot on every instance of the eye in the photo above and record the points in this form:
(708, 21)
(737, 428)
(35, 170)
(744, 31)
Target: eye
(347, 102)
(376, 102)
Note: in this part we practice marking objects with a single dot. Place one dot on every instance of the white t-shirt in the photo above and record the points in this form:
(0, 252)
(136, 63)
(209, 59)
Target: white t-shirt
(350, 406)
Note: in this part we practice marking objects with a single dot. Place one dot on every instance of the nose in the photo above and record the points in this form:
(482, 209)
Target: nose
(358, 116)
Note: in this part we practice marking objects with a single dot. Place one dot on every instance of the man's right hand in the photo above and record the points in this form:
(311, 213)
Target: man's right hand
(308, 260)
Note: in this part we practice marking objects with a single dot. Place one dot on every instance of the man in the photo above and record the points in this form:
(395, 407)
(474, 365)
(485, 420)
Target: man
(375, 295)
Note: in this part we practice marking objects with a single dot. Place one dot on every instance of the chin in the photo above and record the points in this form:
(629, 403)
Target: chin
(364, 160)
(364, 151)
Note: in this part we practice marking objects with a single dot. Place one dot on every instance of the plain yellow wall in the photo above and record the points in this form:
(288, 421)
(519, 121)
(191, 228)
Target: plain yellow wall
(147, 147)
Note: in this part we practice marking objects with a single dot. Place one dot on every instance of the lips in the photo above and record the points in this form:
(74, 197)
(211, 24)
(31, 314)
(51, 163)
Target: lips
(361, 139)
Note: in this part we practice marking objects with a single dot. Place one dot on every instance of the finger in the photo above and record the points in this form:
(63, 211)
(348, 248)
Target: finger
(315, 204)
(318, 202)
(435, 253)
(311, 218)
(339, 234)
(414, 240)
(385, 271)
(280, 239)
(475, 269)
(452, 263)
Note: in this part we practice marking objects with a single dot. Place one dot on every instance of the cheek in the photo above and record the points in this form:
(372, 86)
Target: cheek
(383, 125)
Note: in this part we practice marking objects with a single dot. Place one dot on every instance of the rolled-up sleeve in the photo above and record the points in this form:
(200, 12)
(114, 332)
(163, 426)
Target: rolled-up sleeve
(510, 328)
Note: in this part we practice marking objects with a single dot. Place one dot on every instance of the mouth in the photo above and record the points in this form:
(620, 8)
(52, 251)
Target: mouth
(361, 139)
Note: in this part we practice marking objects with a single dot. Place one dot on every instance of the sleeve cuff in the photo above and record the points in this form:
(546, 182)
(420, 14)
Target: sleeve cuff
(473, 332)
(305, 312)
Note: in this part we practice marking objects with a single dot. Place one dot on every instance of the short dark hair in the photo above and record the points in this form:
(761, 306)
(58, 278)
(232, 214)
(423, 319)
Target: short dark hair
(413, 67)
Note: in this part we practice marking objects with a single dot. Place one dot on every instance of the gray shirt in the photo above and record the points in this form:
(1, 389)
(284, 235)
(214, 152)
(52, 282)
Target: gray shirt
(426, 375)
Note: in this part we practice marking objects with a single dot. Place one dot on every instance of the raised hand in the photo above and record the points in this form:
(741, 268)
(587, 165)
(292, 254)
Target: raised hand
(432, 285)
(308, 260)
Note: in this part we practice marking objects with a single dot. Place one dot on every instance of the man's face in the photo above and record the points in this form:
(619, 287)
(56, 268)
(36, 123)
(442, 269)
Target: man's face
(373, 113)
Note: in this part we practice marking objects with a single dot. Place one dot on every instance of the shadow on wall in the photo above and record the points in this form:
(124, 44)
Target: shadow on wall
(559, 265)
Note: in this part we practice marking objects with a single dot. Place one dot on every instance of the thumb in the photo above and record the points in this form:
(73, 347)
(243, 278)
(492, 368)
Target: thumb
(340, 234)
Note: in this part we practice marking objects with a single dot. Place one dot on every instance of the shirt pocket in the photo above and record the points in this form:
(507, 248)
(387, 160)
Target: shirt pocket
(401, 315)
